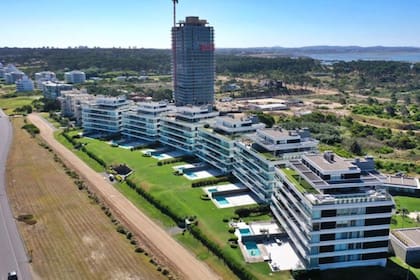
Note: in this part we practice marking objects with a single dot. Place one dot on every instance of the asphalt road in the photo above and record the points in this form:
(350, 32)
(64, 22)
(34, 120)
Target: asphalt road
(12, 253)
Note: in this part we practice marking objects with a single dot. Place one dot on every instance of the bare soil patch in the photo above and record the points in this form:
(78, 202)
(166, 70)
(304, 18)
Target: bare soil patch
(72, 238)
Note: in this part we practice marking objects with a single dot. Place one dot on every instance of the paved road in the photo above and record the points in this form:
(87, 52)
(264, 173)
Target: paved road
(161, 242)
(12, 252)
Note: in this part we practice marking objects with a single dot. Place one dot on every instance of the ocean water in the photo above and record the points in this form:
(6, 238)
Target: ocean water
(391, 56)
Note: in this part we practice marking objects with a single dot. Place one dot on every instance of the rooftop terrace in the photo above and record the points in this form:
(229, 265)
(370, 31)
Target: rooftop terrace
(409, 236)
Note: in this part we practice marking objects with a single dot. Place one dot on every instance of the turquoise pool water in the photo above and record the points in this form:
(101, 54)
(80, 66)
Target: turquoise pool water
(191, 175)
(221, 200)
(244, 231)
(212, 190)
(158, 156)
(252, 249)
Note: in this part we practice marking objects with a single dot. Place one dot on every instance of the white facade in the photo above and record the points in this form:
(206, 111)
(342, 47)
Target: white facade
(52, 90)
(334, 211)
(257, 154)
(13, 77)
(75, 77)
(71, 104)
(142, 121)
(216, 140)
(24, 84)
(104, 115)
(180, 129)
(44, 76)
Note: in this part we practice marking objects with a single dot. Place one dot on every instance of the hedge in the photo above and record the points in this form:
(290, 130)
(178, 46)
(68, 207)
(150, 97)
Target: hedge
(157, 203)
(169, 161)
(256, 210)
(211, 181)
(236, 268)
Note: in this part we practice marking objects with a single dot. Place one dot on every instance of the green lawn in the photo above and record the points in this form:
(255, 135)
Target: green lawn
(398, 221)
(177, 192)
(10, 104)
(410, 203)
(298, 182)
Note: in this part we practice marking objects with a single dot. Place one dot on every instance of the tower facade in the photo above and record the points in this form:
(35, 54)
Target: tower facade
(193, 62)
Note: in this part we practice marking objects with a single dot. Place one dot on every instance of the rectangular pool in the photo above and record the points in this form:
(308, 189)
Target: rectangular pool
(245, 231)
(221, 200)
(252, 249)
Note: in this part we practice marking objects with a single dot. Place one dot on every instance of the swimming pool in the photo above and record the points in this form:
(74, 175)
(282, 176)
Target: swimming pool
(252, 249)
(244, 231)
(221, 200)
(190, 175)
(158, 156)
(212, 190)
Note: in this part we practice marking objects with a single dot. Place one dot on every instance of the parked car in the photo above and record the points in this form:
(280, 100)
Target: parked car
(12, 275)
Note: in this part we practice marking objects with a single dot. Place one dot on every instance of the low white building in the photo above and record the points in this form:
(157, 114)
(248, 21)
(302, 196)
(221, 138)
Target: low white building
(24, 84)
(143, 120)
(217, 138)
(71, 104)
(75, 77)
(44, 76)
(180, 129)
(52, 90)
(103, 115)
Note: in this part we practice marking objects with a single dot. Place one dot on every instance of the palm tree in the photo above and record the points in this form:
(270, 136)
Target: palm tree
(404, 213)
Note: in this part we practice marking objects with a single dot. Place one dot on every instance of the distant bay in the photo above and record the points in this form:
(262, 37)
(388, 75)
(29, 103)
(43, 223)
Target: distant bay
(390, 56)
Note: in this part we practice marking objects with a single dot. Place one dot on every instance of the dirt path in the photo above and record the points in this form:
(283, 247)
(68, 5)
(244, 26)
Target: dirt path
(139, 223)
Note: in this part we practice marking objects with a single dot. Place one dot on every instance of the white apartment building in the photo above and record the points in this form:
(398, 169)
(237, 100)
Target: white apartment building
(180, 128)
(75, 77)
(215, 143)
(103, 115)
(257, 155)
(142, 121)
(71, 103)
(44, 76)
(334, 210)
(13, 77)
(24, 84)
(52, 90)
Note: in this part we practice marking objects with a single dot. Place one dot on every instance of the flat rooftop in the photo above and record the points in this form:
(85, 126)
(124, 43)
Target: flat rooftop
(279, 133)
(401, 180)
(409, 236)
(337, 163)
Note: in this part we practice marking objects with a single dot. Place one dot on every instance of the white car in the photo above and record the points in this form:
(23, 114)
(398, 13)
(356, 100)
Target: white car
(12, 275)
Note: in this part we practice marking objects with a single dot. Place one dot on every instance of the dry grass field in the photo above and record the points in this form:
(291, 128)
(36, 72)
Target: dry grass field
(72, 237)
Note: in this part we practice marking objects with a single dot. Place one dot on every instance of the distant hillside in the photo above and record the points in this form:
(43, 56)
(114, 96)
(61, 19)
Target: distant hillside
(345, 53)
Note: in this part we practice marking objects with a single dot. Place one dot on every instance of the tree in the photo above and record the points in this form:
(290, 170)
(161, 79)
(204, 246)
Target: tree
(355, 148)
(390, 110)
(394, 98)
(267, 119)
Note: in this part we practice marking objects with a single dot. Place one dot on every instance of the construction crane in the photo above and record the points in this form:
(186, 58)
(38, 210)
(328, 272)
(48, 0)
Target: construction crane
(175, 2)
(174, 47)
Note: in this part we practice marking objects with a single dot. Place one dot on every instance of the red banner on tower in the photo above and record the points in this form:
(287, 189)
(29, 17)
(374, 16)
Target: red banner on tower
(206, 47)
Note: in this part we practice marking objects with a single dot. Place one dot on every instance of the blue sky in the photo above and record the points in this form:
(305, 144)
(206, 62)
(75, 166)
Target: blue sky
(237, 23)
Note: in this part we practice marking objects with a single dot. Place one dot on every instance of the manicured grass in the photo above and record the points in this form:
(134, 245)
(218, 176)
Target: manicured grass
(83, 156)
(144, 205)
(176, 191)
(10, 104)
(203, 254)
(398, 221)
(50, 120)
(299, 183)
(410, 203)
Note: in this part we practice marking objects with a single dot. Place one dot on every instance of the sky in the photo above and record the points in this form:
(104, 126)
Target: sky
(237, 23)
